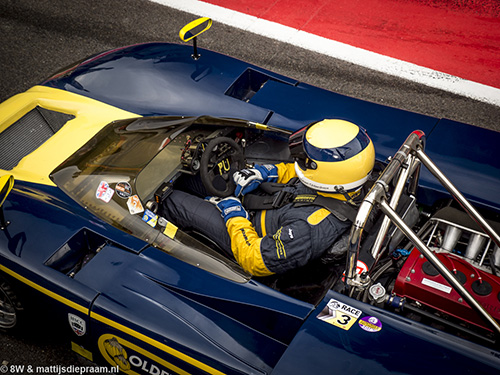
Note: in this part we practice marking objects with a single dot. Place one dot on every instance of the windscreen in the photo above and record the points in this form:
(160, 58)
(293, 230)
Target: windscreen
(102, 177)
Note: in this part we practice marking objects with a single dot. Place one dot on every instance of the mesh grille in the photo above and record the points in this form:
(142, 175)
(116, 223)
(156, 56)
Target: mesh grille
(28, 133)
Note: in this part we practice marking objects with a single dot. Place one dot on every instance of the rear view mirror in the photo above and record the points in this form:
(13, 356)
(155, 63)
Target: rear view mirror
(192, 30)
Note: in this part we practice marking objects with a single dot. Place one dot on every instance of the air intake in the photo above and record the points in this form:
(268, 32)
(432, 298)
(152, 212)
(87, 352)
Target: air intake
(28, 133)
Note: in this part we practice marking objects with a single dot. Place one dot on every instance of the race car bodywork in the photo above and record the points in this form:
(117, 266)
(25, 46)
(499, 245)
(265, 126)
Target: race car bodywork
(92, 152)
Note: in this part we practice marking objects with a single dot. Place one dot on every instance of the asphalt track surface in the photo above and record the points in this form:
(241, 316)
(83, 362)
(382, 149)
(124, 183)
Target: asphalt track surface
(39, 37)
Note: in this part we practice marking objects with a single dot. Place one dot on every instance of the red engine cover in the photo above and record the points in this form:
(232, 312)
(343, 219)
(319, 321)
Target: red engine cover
(420, 281)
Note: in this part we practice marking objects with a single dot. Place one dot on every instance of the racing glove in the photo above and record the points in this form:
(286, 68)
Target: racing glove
(229, 207)
(249, 179)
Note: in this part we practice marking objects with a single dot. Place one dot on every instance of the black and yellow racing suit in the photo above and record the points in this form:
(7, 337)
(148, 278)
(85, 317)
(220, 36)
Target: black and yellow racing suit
(281, 239)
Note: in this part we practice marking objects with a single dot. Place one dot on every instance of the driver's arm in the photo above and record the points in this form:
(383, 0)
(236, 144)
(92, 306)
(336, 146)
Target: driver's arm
(298, 240)
(245, 245)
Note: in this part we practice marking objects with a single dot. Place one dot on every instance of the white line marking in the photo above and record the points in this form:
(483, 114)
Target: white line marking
(341, 51)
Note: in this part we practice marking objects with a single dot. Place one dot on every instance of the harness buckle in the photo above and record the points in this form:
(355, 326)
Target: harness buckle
(286, 195)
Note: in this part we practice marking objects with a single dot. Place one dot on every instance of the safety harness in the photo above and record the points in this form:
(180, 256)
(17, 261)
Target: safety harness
(277, 195)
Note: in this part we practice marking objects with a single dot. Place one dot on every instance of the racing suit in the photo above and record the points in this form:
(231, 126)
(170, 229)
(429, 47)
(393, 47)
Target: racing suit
(269, 241)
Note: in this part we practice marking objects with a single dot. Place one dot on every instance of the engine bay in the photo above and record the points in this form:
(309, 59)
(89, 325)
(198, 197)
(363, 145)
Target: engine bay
(406, 282)
(444, 271)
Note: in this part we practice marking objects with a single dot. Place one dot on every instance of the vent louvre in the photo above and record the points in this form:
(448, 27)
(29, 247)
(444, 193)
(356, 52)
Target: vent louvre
(28, 133)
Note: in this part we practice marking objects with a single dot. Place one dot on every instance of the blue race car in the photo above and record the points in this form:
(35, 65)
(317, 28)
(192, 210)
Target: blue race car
(89, 156)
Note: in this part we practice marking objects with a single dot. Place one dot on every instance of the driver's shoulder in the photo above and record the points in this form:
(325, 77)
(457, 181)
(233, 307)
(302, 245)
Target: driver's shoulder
(286, 171)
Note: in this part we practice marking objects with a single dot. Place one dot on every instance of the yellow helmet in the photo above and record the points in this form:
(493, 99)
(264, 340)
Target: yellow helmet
(332, 156)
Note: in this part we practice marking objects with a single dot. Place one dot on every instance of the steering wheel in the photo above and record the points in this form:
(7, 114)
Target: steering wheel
(221, 158)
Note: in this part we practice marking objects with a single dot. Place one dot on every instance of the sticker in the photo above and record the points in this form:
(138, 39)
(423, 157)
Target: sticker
(123, 189)
(150, 218)
(370, 324)
(77, 324)
(438, 286)
(339, 314)
(360, 268)
(170, 230)
(104, 192)
(134, 205)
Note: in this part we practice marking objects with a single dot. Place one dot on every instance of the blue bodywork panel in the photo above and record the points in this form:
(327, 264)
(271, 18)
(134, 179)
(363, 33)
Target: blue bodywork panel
(379, 350)
(163, 79)
(166, 316)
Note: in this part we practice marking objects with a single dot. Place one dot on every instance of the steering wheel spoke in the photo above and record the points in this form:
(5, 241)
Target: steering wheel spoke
(221, 158)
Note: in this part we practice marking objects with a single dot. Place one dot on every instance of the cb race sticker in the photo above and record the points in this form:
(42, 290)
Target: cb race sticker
(370, 324)
(339, 314)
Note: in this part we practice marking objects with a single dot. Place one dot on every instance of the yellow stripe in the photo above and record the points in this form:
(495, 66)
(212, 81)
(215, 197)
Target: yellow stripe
(113, 324)
(156, 344)
(263, 222)
(49, 293)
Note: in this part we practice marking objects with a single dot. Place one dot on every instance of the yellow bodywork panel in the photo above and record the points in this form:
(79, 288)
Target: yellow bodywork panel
(90, 117)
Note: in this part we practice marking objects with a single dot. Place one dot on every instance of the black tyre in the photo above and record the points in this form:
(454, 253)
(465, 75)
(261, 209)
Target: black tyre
(10, 307)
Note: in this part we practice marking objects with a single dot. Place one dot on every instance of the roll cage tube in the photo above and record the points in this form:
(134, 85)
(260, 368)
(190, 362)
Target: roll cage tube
(410, 154)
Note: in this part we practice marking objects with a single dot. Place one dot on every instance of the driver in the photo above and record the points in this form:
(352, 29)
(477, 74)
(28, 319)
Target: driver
(333, 158)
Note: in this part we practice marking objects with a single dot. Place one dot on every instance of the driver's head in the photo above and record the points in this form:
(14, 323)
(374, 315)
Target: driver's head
(332, 156)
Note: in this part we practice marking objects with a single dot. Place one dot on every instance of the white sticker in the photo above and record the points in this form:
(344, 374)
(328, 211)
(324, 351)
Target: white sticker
(104, 192)
(438, 286)
(77, 324)
(340, 314)
(134, 205)
(360, 268)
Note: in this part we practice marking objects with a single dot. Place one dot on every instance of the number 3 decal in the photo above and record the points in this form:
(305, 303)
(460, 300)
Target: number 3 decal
(346, 319)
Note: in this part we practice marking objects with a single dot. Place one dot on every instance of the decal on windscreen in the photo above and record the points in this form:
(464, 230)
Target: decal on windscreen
(104, 192)
(134, 205)
(123, 190)
(150, 218)
(339, 314)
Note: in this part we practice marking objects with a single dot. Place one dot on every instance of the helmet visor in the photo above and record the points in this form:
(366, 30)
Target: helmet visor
(347, 151)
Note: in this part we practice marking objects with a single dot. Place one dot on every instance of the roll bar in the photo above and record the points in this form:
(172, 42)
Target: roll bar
(406, 162)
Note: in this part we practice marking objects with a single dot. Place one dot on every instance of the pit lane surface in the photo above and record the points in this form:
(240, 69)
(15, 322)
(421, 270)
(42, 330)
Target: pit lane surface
(39, 37)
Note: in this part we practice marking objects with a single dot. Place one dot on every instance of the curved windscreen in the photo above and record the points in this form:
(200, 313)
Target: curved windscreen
(117, 172)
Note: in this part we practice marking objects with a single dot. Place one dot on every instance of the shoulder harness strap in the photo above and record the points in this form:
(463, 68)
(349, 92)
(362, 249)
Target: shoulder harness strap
(342, 210)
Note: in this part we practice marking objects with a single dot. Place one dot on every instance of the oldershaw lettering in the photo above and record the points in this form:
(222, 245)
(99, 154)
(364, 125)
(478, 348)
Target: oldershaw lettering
(132, 359)
(147, 367)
